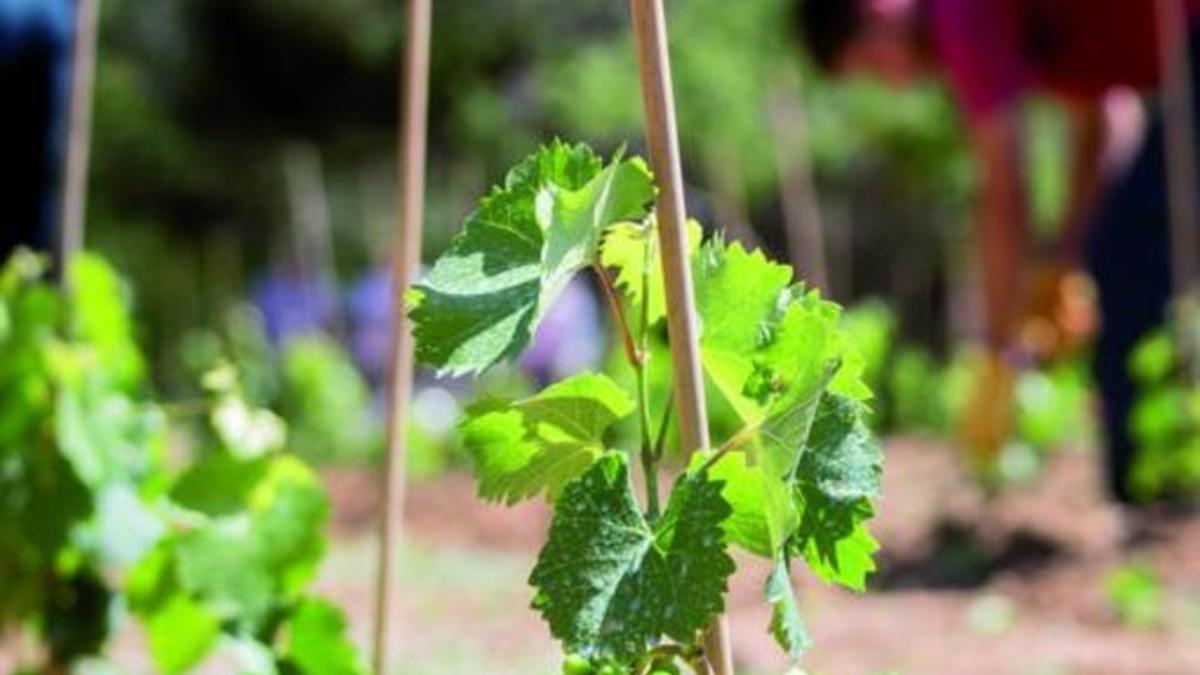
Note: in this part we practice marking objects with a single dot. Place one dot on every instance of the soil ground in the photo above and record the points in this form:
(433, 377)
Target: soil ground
(968, 585)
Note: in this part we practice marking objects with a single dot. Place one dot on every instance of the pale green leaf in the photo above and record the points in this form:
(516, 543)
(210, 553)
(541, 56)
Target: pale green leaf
(764, 514)
(737, 297)
(543, 442)
(106, 436)
(317, 643)
(787, 625)
(632, 249)
(100, 308)
(241, 565)
(181, 632)
(247, 432)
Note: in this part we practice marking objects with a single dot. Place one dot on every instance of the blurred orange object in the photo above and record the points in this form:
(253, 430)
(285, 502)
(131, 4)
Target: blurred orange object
(988, 418)
(1058, 314)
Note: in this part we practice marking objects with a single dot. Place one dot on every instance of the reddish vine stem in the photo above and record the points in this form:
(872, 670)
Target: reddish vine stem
(631, 351)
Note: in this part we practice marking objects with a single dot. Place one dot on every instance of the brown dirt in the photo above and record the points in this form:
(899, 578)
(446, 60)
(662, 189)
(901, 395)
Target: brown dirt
(1041, 554)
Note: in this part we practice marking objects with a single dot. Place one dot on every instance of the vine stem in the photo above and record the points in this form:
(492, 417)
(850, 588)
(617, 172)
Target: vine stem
(614, 303)
(636, 354)
(406, 261)
(649, 456)
(650, 40)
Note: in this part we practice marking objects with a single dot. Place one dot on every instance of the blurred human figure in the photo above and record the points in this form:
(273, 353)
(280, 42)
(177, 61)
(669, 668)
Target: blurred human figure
(35, 52)
(293, 303)
(369, 310)
(570, 337)
(993, 54)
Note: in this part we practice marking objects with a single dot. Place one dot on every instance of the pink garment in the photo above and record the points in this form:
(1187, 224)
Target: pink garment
(993, 51)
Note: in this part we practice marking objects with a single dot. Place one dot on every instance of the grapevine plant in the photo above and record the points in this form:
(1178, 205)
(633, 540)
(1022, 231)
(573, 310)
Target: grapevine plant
(212, 557)
(628, 582)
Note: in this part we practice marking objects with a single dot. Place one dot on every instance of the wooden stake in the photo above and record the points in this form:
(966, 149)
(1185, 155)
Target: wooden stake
(1180, 137)
(405, 265)
(801, 212)
(79, 140)
(650, 38)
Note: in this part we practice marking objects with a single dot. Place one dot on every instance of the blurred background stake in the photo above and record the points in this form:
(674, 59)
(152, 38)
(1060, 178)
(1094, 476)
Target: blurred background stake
(801, 209)
(405, 266)
(650, 38)
(312, 231)
(74, 187)
(1180, 136)
(729, 195)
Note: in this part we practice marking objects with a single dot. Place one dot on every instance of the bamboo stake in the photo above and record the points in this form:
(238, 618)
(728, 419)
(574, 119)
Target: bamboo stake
(79, 141)
(650, 38)
(1180, 137)
(405, 265)
(801, 211)
(312, 227)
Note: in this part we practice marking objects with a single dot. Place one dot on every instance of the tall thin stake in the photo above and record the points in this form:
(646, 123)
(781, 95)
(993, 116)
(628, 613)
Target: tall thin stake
(798, 194)
(650, 37)
(405, 265)
(1180, 137)
(79, 140)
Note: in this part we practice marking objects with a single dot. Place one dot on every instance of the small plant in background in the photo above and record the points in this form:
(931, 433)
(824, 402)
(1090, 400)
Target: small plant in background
(1135, 594)
(1165, 422)
(215, 558)
(629, 582)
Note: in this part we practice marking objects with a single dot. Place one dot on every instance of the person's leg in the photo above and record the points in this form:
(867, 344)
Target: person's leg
(1129, 257)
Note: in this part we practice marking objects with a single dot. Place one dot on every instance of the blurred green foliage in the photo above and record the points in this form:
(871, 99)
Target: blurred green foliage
(1135, 593)
(197, 99)
(97, 514)
(919, 393)
(1165, 421)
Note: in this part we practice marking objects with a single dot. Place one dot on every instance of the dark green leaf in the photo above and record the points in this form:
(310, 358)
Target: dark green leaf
(481, 302)
(610, 586)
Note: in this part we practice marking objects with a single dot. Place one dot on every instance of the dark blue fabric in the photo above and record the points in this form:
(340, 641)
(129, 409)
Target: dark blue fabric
(35, 54)
(1129, 256)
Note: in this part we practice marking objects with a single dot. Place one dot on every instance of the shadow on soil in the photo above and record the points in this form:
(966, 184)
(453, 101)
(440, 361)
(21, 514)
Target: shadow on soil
(957, 558)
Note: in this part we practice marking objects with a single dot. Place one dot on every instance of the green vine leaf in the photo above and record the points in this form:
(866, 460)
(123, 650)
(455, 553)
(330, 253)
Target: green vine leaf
(839, 475)
(542, 443)
(737, 296)
(240, 565)
(101, 319)
(787, 624)
(632, 249)
(317, 643)
(763, 514)
(483, 299)
(610, 585)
